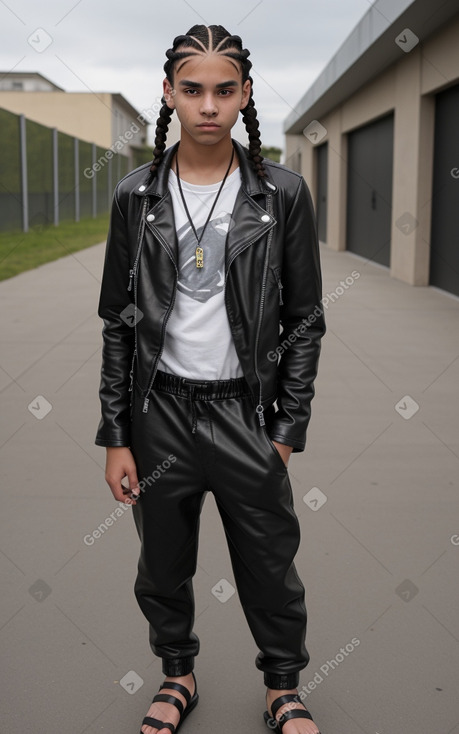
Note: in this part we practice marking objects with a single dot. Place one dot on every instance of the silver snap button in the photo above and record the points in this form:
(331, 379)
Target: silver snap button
(266, 218)
(150, 217)
(142, 188)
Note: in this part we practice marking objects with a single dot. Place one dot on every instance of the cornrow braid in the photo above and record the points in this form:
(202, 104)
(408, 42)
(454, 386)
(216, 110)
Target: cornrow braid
(201, 38)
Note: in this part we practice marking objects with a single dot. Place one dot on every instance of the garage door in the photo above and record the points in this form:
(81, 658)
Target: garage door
(444, 247)
(322, 185)
(369, 190)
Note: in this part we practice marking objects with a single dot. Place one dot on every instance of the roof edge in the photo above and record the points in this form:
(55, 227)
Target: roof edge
(370, 48)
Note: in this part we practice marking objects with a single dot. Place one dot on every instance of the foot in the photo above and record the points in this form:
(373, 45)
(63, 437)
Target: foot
(292, 726)
(167, 712)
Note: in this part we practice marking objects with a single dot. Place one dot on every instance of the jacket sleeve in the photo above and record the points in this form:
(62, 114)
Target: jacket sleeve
(118, 335)
(303, 323)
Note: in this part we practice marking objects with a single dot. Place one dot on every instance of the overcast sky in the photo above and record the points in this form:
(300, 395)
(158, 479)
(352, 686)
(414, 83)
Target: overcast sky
(113, 46)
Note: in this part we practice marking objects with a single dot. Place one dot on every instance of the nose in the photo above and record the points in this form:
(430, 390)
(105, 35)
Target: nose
(209, 106)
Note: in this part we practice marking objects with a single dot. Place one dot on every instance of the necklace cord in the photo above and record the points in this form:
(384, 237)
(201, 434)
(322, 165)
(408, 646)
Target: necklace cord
(199, 253)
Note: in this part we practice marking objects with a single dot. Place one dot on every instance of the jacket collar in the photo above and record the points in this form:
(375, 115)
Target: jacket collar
(251, 183)
(250, 219)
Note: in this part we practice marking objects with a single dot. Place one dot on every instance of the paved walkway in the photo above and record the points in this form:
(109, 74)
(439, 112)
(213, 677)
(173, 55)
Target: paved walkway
(376, 492)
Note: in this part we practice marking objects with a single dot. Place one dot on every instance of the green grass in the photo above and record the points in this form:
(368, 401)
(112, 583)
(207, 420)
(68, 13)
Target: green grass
(21, 251)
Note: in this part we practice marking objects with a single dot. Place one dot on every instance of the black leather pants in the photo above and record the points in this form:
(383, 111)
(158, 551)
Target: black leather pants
(199, 437)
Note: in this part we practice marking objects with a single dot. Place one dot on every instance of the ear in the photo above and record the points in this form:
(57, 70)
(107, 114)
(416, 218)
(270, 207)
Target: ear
(169, 93)
(246, 89)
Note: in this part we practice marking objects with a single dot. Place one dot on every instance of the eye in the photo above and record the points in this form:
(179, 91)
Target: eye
(225, 92)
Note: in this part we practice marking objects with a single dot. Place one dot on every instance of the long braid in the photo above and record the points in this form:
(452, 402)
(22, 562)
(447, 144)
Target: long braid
(203, 38)
(162, 126)
(252, 125)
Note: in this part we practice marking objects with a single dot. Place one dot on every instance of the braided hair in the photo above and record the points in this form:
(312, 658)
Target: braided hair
(210, 38)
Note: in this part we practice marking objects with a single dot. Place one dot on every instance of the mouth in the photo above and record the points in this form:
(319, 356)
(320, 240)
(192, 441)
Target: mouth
(208, 124)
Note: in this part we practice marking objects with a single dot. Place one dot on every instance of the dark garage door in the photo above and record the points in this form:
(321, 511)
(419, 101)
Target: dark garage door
(444, 248)
(369, 190)
(322, 178)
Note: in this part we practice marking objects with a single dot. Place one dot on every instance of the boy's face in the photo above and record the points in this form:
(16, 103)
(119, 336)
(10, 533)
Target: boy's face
(208, 95)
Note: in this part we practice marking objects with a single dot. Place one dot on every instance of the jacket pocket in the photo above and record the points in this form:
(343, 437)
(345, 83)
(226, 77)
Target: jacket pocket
(274, 449)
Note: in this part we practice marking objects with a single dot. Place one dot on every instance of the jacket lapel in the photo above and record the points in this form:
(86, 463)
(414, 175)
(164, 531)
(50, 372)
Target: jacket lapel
(163, 225)
(249, 222)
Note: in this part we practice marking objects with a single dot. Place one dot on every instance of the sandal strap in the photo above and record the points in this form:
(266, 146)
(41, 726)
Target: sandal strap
(150, 721)
(178, 687)
(169, 699)
(294, 714)
(287, 698)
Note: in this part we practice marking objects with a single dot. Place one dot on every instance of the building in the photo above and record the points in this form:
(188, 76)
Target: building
(102, 118)
(26, 81)
(376, 137)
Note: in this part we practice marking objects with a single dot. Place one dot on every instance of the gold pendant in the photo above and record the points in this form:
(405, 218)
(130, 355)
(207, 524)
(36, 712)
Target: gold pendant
(199, 257)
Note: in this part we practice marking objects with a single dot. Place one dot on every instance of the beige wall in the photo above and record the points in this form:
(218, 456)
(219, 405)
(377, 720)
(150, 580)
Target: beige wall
(83, 115)
(407, 88)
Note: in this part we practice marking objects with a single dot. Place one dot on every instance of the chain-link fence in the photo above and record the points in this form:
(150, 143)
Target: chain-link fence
(47, 176)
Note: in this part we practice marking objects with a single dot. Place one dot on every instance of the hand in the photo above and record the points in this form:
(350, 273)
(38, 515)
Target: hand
(120, 463)
(284, 451)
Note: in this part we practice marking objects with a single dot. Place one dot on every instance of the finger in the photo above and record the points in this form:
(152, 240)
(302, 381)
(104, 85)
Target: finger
(133, 482)
(129, 495)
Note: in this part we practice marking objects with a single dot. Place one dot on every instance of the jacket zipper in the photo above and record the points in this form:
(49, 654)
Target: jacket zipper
(132, 276)
(133, 270)
(259, 409)
(166, 318)
(131, 372)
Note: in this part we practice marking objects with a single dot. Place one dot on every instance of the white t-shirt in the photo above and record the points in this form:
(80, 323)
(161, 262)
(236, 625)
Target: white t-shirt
(199, 343)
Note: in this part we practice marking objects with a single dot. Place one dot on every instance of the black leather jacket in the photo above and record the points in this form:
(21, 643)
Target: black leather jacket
(272, 275)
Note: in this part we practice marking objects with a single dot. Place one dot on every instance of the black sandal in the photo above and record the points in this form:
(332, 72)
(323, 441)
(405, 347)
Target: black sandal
(169, 698)
(277, 726)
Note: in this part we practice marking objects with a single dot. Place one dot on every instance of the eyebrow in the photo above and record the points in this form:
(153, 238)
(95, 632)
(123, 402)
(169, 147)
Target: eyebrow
(197, 85)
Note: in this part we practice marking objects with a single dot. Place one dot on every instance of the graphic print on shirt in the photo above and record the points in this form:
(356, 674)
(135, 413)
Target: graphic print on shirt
(201, 284)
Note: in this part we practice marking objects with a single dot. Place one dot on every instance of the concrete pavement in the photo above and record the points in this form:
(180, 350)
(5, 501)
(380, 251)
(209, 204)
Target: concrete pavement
(376, 492)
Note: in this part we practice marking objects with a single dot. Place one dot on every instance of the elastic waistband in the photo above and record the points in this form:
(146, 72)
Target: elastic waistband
(235, 387)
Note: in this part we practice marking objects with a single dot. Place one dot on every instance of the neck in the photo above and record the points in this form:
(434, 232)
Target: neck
(204, 164)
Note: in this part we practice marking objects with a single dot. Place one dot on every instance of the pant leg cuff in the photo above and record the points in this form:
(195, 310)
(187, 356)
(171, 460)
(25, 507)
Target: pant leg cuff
(280, 681)
(175, 667)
